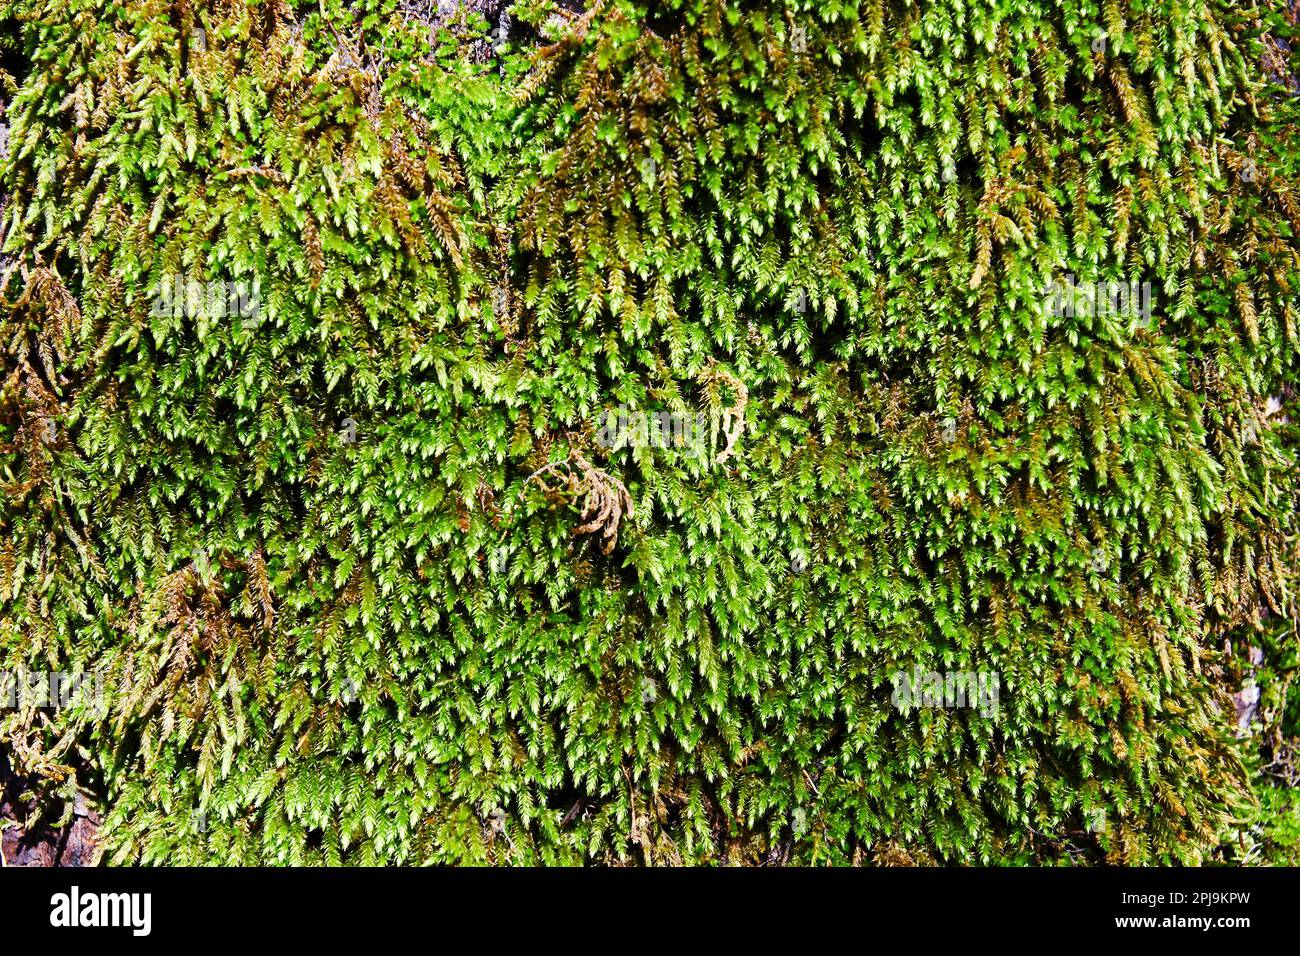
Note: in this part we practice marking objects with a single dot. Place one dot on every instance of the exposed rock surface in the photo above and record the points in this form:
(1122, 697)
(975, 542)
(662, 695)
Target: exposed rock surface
(72, 844)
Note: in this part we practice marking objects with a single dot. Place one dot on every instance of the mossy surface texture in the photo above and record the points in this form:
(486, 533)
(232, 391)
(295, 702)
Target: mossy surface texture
(683, 432)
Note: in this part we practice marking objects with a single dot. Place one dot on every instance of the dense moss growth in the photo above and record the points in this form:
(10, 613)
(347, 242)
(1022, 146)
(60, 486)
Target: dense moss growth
(315, 315)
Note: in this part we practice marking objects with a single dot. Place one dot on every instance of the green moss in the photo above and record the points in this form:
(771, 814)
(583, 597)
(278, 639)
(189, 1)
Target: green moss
(366, 580)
